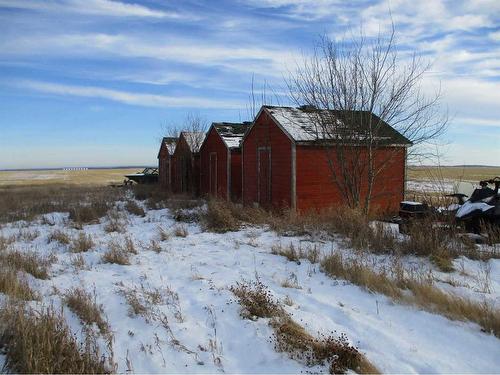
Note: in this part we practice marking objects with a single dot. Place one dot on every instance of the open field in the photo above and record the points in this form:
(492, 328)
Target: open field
(77, 177)
(474, 174)
(160, 284)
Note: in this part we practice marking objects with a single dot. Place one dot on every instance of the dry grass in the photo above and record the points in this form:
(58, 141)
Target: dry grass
(85, 203)
(41, 342)
(116, 222)
(28, 235)
(453, 173)
(293, 254)
(12, 285)
(132, 207)
(82, 243)
(219, 217)
(28, 261)
(257, 302)
(181, 231)
(85, 306)
(82, 214)
(116, 254)
(5, 242)
(60, 236)
(163, 234)
(412, 289)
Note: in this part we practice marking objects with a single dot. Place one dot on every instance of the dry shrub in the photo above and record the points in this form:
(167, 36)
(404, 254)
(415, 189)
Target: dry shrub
(132, 207)
(116, 222)
(59, 236)
(181, 231)
(28, 261)
(85, 306)
(219, 217)
(116, 254)
(422, 292)
(155, 246)
(41, 342)
(14, 286)
(256, 300)
(311, 253)
(292, 338)
(129, 246)
(82, 243)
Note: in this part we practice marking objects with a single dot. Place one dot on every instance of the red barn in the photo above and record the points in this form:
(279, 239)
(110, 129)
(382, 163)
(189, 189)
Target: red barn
(220, 161)
(165, 155)
(186, 163)
(286, 163)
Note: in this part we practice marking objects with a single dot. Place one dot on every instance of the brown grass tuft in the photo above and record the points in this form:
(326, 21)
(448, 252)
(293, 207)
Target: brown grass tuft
(85, 306)
(41, 342)
(116, 254)
(181, 231)
(59, 236)
(219, 217)
(82, 243)
(132, 207)
(12, 285)
(28, 261)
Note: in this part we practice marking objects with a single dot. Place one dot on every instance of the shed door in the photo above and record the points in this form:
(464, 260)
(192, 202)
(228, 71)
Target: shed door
(213, 174)
(264, 176)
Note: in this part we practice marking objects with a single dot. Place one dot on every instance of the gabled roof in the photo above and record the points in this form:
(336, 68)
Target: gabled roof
(231, 132)
(194, 140)
(169, 143)
(303, 125)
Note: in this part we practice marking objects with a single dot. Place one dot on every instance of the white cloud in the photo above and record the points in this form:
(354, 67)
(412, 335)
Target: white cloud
(270, 60)
(90, 7)
(126, 97)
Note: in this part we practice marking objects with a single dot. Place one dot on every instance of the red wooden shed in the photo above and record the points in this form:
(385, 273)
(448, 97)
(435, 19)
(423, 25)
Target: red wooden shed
(220, 161)
(186, 163)
(165, 155)
(286, 163)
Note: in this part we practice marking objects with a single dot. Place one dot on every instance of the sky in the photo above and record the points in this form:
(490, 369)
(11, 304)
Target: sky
(98, 82)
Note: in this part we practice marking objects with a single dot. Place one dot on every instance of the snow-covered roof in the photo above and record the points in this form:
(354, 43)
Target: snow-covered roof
(304, 124)
(169, 143)
(231, 132)
(194, 140)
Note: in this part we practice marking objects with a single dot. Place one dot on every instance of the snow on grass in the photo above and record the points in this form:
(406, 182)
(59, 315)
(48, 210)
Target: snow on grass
(191, 322)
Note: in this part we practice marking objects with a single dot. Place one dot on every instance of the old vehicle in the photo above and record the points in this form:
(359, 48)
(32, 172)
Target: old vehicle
(482, 207)
(147, 176)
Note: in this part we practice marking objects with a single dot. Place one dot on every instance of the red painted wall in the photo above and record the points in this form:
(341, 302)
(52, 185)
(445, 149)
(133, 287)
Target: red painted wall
(265, 133)
(213, 144)
(164, 167)
(236, 175)
(186, 169)
(316, 189)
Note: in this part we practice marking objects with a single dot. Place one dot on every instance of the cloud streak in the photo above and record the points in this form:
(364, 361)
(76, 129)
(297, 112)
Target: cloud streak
(127, 97)
(91, 7)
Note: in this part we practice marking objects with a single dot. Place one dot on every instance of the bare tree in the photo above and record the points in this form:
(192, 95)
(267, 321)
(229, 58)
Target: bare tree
(352, 89)
(194, 128)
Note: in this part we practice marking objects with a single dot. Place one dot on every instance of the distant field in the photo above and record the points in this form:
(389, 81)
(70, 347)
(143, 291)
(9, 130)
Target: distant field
(474, 174)
(78, 177)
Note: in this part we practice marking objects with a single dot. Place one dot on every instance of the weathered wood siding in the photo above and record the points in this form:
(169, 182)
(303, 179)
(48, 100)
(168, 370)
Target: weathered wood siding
(265, 134)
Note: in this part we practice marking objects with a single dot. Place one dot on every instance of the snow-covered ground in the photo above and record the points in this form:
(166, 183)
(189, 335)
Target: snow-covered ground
(205, 332)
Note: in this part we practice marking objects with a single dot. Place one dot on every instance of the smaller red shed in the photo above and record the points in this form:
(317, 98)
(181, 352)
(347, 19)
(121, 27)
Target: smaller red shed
(165, 155)
(220, 160)
(186, 162)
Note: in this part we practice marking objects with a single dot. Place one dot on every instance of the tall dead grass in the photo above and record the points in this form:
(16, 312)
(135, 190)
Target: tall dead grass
(85, 203)
(40, 341)
(85, 306)
(412, 289)
(28, 261)
(14, 285)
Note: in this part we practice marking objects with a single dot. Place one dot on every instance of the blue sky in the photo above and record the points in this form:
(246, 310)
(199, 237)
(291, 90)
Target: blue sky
(95, 82)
